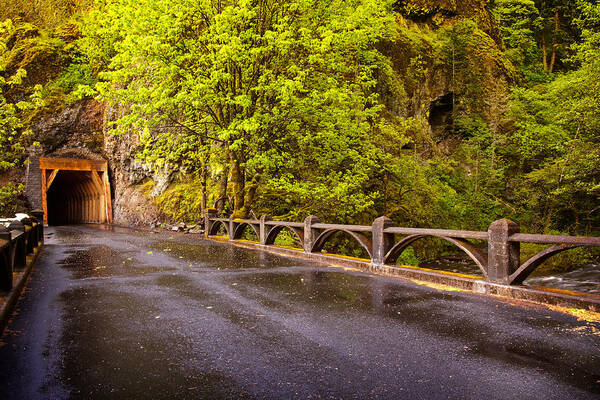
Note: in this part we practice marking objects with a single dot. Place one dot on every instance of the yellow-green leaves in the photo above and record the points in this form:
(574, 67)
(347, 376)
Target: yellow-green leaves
(276, 85)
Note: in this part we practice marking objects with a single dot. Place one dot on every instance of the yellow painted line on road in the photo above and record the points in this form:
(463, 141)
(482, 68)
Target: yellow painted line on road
(439, 271)
(579, 313)
(438, 286)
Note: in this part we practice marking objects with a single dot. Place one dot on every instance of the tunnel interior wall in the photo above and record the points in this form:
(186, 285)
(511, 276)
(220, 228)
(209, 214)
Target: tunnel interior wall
(74, 198)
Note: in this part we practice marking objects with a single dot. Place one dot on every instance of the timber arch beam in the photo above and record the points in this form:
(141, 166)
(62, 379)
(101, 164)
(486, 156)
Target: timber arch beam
(75, 191)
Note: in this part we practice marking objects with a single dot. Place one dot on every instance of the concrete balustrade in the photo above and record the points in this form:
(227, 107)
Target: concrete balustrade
(19, 238)
(499, 260)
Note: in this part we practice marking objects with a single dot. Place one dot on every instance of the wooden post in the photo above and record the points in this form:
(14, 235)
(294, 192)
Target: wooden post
(107, 199)
(208, 214)
(44, 198)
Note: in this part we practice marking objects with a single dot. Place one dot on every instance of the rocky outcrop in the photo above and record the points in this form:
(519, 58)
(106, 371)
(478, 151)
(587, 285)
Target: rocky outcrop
(132, 203)
(441, 51)
(78, 126)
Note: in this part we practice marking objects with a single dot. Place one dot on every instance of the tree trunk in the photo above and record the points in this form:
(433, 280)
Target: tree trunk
(237, 177)
(543, 40)
(203, 179)
(544, 55)
(250, 193)
(554, 41)
(222, 200)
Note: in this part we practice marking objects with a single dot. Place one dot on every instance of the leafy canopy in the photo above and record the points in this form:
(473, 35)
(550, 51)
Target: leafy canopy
(283, 88)
(11, 133)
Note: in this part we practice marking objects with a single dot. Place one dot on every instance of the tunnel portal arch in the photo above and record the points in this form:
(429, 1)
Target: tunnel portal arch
(75, 191)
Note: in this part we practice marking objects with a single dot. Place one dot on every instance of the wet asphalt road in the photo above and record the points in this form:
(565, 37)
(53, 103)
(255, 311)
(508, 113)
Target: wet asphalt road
(120, 314)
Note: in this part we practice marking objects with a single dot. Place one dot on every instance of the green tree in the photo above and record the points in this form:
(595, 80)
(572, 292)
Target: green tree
(519, 21)
(284, 89)
(557, 138)
(11, 127)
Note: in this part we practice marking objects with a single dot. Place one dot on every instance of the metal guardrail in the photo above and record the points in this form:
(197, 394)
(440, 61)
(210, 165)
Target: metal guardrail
(499, 261)
(19, 237)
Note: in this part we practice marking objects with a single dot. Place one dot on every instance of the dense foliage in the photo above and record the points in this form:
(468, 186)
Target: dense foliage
(435, 113)
(276, 92)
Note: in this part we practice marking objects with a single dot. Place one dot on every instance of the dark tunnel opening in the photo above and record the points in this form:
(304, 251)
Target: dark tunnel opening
(75, 198)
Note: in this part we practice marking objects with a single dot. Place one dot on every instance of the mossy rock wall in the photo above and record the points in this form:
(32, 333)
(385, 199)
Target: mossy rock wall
(43, 13)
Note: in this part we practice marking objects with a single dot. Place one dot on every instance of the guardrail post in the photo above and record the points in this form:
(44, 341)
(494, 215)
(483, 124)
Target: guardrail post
(310, 234)
(30, 234)
(382, 242)
(20, 243)
(264, 231)
(39, 216)
(503, 256)
(208, 214)
(231, 228)
(5, 233)
(6, 260)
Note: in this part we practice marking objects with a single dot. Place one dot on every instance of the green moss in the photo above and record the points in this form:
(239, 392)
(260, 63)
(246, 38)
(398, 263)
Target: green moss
(422, 9)
(37, 52)
(9, 198)
(147, 187)
(181, 202)
(46, 14)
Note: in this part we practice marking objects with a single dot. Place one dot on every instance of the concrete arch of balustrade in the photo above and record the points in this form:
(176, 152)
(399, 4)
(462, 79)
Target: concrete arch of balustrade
(471, 250)
(214, 227)
(523, 272)
(239, 228)
(276, 230)
(322, 239)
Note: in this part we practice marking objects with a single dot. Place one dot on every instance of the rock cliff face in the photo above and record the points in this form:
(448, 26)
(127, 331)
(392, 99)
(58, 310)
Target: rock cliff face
(74, 132)
(79, 126)
(441, 50)
(131, 203)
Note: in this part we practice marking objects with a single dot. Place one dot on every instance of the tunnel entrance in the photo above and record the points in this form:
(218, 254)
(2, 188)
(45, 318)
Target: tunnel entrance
(75, 191)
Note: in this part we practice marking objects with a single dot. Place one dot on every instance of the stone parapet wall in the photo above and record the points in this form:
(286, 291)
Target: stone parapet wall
(33, 183)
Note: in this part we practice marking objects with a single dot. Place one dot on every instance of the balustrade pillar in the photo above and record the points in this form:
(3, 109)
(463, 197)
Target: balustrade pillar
(231, 229)
(503, 256)
(310, 234)
(20, 244)
(39, 216)
(6, 260)
(382, 242)
(208, 214)
(264, 229)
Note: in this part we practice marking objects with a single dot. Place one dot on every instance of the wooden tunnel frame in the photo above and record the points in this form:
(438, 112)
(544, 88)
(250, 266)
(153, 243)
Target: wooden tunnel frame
(50, 167)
